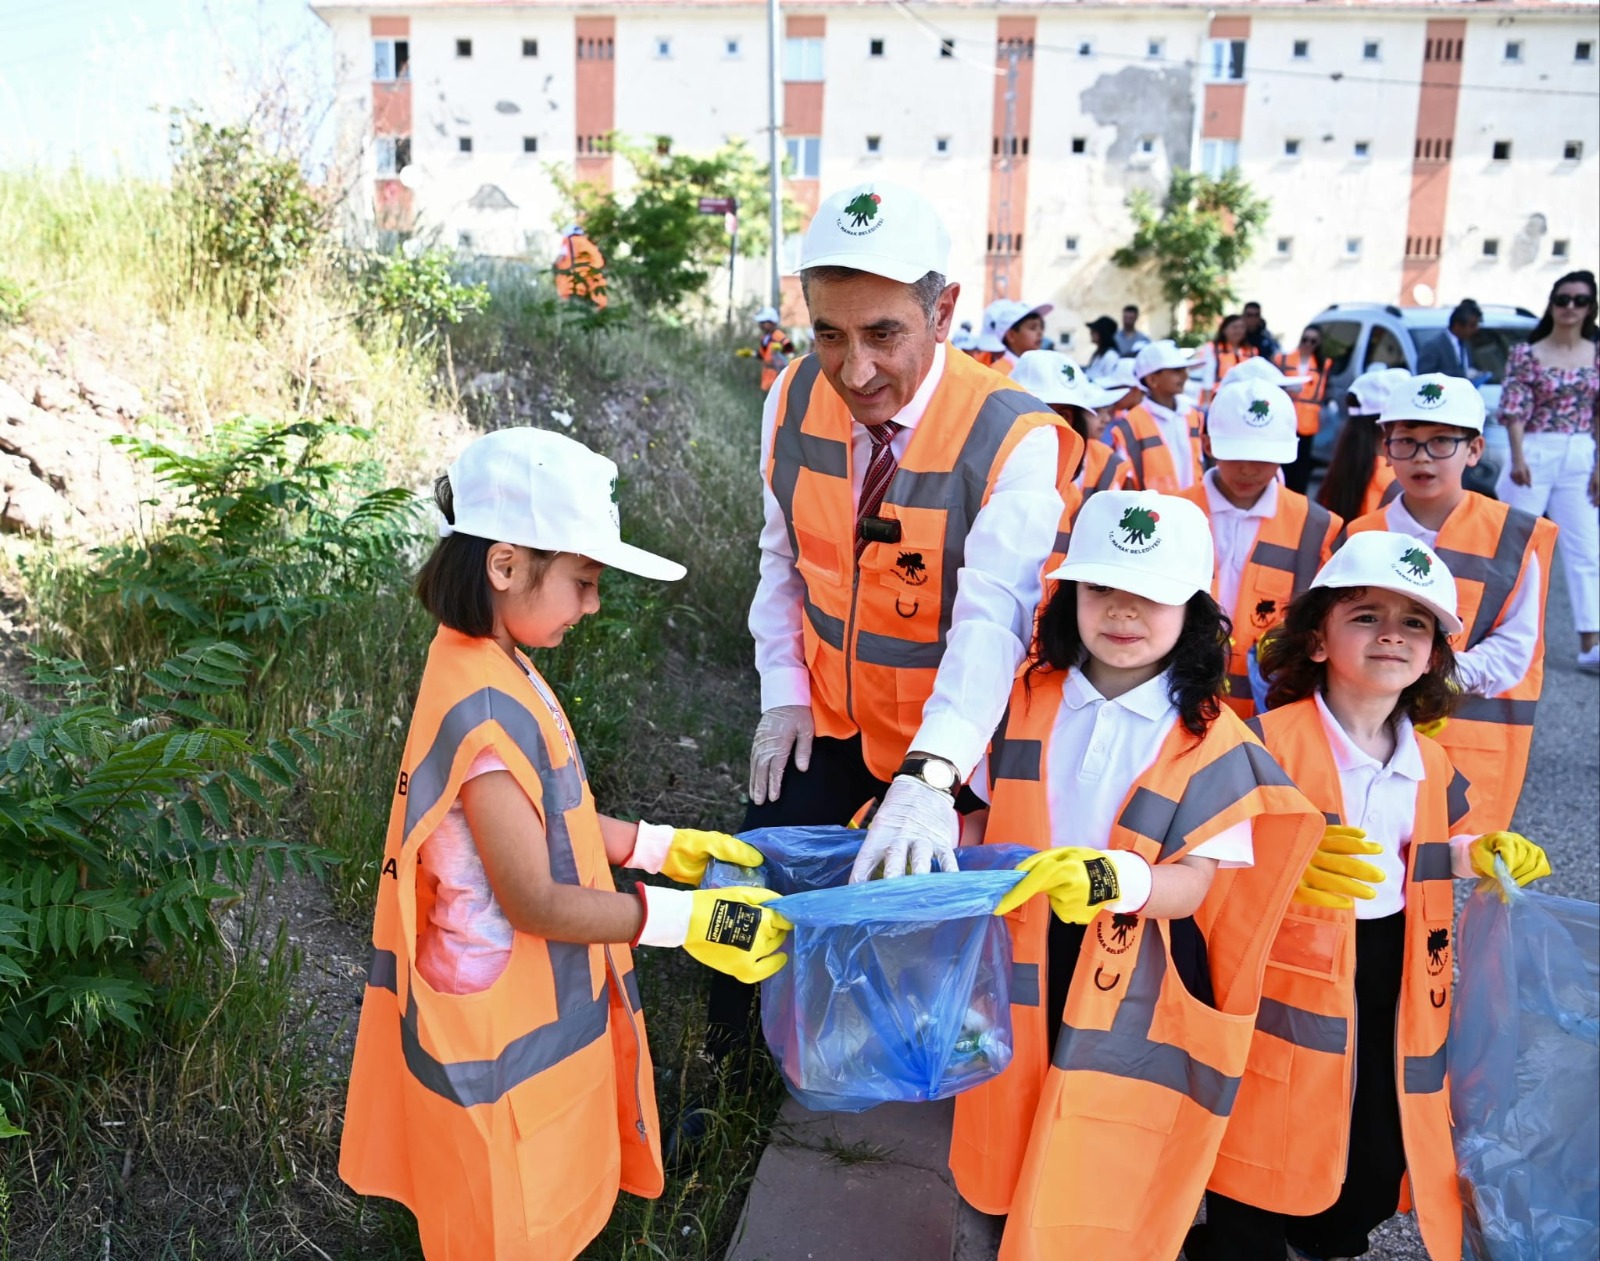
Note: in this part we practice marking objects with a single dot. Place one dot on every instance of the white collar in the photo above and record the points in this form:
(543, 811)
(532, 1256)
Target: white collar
(1168, 414)
(1148, 700)
(1266, 506)
(1010, 358)
(909, 415)
(1406, 761)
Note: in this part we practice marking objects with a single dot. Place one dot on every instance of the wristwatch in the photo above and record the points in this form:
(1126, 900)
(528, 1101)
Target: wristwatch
(935, 772)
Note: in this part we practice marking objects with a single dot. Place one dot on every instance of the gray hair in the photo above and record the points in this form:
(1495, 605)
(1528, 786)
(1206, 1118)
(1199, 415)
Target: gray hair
(926, 291)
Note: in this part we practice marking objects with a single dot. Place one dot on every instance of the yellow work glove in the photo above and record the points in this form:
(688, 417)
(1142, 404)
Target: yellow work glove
(1432, 729)
(1526, 861)
(744, 352)
(1078, 880)
(1334, 878)
(691, 851)
(726, 929)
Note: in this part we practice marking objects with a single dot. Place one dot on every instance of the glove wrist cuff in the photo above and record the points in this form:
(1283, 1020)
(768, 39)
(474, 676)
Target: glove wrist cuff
(650, 847)
(1134, 881)
(666, 915)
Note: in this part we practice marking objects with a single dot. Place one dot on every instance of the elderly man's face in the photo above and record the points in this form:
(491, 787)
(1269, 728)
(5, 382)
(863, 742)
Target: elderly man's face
(873, 342)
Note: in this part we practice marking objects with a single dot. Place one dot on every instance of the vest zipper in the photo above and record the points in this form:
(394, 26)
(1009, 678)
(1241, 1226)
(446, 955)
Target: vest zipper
(849, 644)
(638, 1049)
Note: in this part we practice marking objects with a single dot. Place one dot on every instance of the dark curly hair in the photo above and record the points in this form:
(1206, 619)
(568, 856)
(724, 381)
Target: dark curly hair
(1198, 662)
(1284, 655)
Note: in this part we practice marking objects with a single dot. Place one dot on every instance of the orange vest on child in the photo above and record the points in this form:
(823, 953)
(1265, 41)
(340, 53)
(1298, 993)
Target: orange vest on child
(1137, 437)
(1382, 490)
(506, 1120)
(1099, 1149)
(774, 351)
(1287, 1143)
(875, 630)
(1226, 358)
(1487, 545)
(580, 270)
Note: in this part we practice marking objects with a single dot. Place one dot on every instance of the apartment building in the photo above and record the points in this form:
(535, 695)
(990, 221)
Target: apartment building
(1413, 151)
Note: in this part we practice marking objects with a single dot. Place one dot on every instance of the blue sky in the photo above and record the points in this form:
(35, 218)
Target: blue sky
(90, 81)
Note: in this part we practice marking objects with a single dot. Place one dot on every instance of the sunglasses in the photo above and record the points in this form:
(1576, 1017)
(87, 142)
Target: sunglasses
(1579, 300)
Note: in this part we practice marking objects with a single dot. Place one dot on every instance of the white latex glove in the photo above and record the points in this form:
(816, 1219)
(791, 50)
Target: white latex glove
(786, 728)
(914, 825)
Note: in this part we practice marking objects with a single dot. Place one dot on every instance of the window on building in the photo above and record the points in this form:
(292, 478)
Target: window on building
(1513, 50)
(463, 48)
(1372, 50)
(874, 48)
(1302, 50)
(530, 144)
(1218, 157)
(941, 144)
(874, 144)
(1583, 51)
(595, 50)
(805, 157)
(1361, 150)
(393, 154)
(464, 144)
(1572, 151)
(1291, 148)
(1072, 245)
(1501, 151)
(1147, 146)
(1491, 247)
(1086, 48)
(730, 46)
(1352, 247)
(1285, 246)
(1560, 249)
(391, 60)
(947, 48)
(1225, 60)
(1155, 48)
(802, 59)
(1080, 144)
(464, 239)
(530, 48)
(663, 46)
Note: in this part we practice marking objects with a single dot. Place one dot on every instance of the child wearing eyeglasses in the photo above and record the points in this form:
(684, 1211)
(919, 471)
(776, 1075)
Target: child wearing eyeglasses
(1500, 556)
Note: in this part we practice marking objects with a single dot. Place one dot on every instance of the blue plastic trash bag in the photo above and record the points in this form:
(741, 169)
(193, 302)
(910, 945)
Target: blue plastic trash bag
(1524, 1061)
(896, 990)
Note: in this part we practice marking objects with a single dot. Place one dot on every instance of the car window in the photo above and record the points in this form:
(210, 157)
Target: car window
(1491, 347)
(1338, 340)
(1383, 350)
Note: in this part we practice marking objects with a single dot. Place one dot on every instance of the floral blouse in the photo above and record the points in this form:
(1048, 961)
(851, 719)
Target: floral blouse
(1549, 400)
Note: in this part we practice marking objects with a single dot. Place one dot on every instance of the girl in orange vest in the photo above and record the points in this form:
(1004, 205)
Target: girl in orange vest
(1359, 479)
(1344, 1111)
(1222, 353)
(1054, 379)
(502, 1086)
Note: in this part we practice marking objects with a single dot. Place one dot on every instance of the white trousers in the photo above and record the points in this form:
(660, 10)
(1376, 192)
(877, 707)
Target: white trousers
(1561, 464)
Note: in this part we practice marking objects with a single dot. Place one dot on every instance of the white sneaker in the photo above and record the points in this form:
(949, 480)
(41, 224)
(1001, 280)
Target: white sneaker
(1589, 662)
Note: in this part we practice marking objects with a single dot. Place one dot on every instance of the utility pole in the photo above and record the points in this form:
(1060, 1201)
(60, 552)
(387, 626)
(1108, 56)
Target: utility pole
(1008, 141)
(774, 148)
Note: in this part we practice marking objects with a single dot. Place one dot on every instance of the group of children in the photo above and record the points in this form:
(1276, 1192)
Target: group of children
(1242, 947)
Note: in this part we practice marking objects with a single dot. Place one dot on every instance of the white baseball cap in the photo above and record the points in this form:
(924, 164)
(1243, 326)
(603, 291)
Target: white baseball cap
(1260, 368)
(999, 317)
(1394, 562)
(1121, 377)
(1252, 420)
(768, 315)
(1155, 356)
(1436, 399)
(1156, 546)
(878, 227)
(1373, 388)
(546, 490)
(1053, 378)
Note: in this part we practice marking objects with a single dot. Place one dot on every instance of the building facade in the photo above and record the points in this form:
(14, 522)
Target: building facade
(1412, 152)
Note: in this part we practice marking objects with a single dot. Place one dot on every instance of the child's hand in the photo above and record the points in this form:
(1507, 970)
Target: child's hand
(726, 929)
(1526, 861)
(691, 851)
(1336, 879)
(1079, 881)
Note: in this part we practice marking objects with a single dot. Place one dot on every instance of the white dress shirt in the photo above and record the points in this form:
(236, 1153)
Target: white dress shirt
(1098, 749)
(997, 591)
(1233, 534)
(1504, 656)
(1174, 427)
(1381, 799)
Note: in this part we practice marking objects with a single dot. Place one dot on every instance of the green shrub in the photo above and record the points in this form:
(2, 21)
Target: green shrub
(13, 302)
(419, 294)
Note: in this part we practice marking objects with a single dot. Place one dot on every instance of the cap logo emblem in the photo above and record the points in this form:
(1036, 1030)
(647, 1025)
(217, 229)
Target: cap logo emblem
(1138, 528)
(1259, 413)
(862, 213)
(1418, 565)
(1431, 395)
(1071, 373)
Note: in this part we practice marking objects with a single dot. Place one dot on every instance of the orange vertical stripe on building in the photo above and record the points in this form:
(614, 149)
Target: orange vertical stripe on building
(1006, 239)
(1432, 152)
(595, 114)
(391, 116)
(1222, 115)
(391, 27)
(802, 116)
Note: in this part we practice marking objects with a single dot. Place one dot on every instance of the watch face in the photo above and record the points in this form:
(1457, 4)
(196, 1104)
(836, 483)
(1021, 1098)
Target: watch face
(939, 775)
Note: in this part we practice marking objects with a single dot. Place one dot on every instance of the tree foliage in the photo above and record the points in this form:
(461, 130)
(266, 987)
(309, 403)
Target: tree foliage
(420, 294)
(656, 241)
(1201, 234)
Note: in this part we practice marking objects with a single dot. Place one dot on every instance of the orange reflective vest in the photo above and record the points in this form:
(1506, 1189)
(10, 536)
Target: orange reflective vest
(1137, 436)
(1225, 359)
(1307, 403)
(774, 351)
(1487, 544)
(505, 1120)
(580, 270)
(875, 629)
(1287, 1143)
(1098, 1142)
(1382, 490)
(1290, 547)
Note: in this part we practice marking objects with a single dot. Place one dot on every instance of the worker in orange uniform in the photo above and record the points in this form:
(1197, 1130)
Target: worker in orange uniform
(580, 268)
(1309, 363)
(1010, 330)
(1160, 437)
(502, 1087)
(774, 348)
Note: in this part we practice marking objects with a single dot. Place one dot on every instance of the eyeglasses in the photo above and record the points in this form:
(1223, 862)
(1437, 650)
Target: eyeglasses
(1313, 342)
(1579, 300)
(1440, 446)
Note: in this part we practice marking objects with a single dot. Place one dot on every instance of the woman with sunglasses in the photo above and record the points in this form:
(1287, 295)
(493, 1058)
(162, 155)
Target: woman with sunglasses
(1548, 407)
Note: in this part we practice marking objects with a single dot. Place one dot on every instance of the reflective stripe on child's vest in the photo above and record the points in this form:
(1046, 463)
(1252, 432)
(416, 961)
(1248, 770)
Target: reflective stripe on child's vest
(1382, 490)
(1486, 545)
(1290, 547)
(1288, 1140)
(1308, 402)
(875, 630)
(1100, 1149)
(505, 1120)
(1137, 436)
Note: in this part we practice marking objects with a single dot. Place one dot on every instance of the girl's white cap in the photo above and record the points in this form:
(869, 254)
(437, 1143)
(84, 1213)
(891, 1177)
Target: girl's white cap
(1051, 377)
(1394, 562)
(1373, 387)
(1121, 378)
(545, 490)
(1156, 546)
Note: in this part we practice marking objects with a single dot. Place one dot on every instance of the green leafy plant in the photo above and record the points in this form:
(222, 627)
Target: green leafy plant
(1203, 231)
(13, 302)
(419, 294)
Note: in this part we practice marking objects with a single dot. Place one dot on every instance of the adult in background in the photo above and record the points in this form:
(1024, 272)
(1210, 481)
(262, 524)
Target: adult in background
(1548, 407)
(1103, 359)
(1010, 330)
(1307, 362)
(1452, 353)
(1257, 333)
(774, 348)
(1228, 348)
(1129, 338)
(911, 497)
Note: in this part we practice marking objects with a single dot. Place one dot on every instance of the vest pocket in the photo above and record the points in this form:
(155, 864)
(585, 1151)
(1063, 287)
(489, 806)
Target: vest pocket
(567, 1149)
(1310, 943)
(1104, 1152)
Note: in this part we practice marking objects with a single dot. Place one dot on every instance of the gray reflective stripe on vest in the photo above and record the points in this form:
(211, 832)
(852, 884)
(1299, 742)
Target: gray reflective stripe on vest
(1304, 1028)
(630, 983)
(1391, 492)
(1255, 726)
(1210, 790)
(1108, 475)
(1127, 1051)
(1457, 804)
(1304, 559)
(1063, 537)
(874, 649)
(1135, 447)
(1498, 573)
(1010, 758)
(1025, 984)
(830, 629)
(1433, 862)
(383, 971)
(1239, 685)
(1501, 710)
(1424, 1074)
(793, 450)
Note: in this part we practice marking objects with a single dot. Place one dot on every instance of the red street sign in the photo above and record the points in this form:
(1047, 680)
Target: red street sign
(718, 205)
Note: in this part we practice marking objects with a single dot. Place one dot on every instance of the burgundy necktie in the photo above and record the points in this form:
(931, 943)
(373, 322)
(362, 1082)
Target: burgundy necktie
(880, 471)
